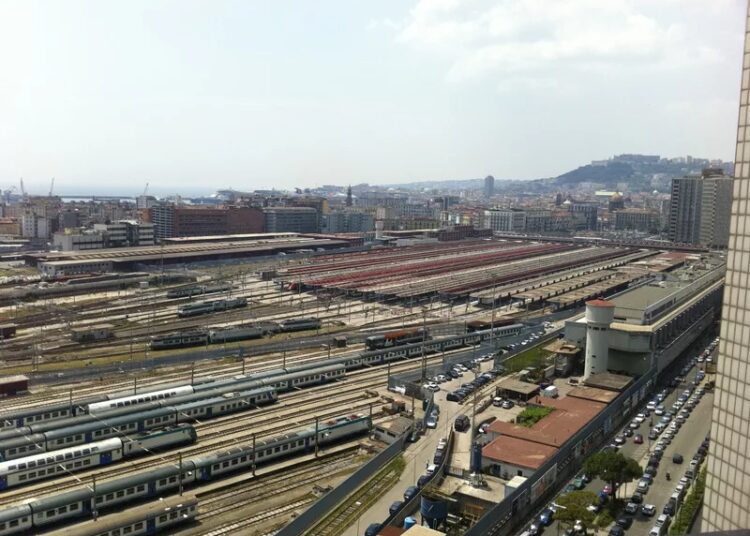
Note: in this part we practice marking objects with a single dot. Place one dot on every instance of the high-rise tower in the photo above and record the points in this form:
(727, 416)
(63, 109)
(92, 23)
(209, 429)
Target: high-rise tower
(726, 504)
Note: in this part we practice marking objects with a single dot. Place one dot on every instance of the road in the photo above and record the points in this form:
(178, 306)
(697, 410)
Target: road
(418, 455)
(685, 442)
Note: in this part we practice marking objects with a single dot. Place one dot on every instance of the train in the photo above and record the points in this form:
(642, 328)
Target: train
(198, 290)
(46, 465)
(53, 435)
(45, 511)
(211, 306)
(395, 338)
(208, 400)
(200, 337)
(150, 518)
(31, 419)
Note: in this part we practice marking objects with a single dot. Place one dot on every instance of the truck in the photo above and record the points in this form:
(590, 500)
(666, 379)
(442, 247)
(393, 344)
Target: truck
(550, 392)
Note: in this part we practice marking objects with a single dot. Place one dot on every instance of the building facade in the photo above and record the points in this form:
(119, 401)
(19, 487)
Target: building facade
(171, 221)
(510, 220)
(717, 198)
(291, 220)
(698, 209)
(726, 504)
(344, 221)
(636, 219)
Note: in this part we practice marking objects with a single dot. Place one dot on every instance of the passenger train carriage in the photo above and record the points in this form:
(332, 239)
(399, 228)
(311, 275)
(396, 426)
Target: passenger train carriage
(46, 511)
(149, 518)
(46, 465)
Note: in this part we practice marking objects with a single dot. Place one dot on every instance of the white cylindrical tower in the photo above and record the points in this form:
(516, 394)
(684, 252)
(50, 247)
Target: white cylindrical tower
(378, 229)
(599, 316)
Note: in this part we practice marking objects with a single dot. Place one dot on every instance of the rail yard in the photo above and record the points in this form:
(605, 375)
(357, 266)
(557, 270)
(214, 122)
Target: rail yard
(188, 401)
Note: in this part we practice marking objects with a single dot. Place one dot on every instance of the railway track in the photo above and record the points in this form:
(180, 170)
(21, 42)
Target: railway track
(244, 498)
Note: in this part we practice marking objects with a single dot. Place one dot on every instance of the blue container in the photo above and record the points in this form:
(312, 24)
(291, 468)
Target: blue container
(409, 522)
(476, 458)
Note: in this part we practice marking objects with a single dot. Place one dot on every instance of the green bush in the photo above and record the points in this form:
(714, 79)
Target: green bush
(689, 508)
(532, 415)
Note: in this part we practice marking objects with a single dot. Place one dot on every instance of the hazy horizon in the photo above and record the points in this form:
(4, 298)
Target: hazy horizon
(193, 97)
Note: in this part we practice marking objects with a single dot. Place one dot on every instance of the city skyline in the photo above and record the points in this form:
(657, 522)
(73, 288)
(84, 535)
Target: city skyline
(194, 97)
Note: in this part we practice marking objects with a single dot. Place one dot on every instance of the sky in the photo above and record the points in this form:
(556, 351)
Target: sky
(193, 96)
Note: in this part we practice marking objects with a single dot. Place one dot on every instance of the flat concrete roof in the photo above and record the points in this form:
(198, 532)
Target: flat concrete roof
(397, 426)
(517, 386)
(608, 381)
(593, 393)
(641, 297)
(506, 449)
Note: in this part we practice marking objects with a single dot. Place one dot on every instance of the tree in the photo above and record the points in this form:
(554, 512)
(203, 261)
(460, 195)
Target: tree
(573, 507)
(612, 467)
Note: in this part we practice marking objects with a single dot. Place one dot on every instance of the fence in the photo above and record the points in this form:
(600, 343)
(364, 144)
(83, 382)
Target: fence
(536, 490)
(331, 499)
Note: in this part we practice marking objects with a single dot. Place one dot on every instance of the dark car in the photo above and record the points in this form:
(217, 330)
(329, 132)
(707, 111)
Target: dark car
(453, 397)
(545, 518)
(677, 458)
(395, 507)
(650, 470)
(373, 529)
(625, 522)
(423, 480)
(653, 435)
(617, 530)
(670, 508)
(637, 498)
(410, 492)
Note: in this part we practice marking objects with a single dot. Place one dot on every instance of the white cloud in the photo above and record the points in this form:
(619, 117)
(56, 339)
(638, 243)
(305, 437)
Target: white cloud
(520, 38)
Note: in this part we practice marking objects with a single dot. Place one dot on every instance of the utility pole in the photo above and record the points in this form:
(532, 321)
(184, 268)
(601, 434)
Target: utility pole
(253, 467)
(180, 455)
(316, 437)
(93, 499)
(424, 337)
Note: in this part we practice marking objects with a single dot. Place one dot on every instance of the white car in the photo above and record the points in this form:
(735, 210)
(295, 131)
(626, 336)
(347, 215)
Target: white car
(640, 418)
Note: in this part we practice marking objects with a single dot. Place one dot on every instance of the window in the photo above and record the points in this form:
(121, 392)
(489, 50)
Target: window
(62, 509)
(162, 519)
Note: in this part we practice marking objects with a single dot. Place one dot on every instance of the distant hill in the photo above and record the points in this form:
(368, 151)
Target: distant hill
(609, 175)
(637, 171)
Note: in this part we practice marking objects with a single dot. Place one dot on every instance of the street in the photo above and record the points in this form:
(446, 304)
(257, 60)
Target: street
(686, 442)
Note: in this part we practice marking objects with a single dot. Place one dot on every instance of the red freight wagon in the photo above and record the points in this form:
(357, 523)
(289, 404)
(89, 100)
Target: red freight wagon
(13, 385)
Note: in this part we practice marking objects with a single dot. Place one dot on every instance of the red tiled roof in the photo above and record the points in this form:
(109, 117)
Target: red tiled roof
(570, 415)
(518, 452)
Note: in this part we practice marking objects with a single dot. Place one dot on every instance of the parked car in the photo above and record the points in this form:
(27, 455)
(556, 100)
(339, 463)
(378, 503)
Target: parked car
(677, 458)
(508, 404)
(638, 439)
(625, 522)
(648, 510)
(631, 508)
(545, 518)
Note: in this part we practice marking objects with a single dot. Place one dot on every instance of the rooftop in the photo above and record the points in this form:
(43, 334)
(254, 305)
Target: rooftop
(517, 386)
(570, 415)
(506, 449)
(609, 381)
(594, 394)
